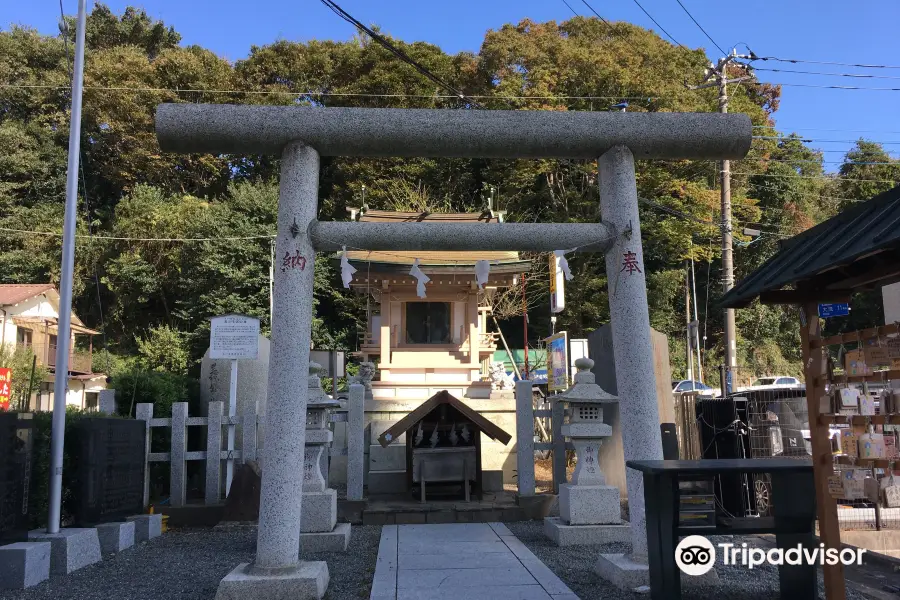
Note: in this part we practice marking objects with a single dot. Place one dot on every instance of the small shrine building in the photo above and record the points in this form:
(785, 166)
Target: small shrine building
(439, 343)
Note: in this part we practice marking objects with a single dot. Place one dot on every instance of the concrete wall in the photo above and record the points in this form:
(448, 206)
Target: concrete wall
(885, 542)
(612, 456)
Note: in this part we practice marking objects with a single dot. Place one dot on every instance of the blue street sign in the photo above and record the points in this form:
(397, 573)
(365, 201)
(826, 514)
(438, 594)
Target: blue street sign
(834, 310)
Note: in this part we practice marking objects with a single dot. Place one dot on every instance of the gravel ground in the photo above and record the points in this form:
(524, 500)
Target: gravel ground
(188, 565)
(574, 565)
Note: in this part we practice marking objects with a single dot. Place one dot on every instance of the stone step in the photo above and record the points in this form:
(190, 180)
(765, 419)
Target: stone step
(461, 513)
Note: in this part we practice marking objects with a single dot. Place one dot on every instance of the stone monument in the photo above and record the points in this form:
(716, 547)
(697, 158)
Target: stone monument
(253, 377)
(589, 510)
(319, 529)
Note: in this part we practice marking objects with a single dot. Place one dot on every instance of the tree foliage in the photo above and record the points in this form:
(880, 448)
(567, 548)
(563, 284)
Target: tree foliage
(154, 298)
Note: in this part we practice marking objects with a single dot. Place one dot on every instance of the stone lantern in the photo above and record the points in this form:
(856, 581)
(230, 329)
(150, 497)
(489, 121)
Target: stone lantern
(589, 510)
(319, 530)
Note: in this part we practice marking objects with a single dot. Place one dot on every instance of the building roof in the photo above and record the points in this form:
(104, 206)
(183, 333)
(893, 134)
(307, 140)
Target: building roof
(15, 293)
(432, 258)
(443, 397)
(855, 250)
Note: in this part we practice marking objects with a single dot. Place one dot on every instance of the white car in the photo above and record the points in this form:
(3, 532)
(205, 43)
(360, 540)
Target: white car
(775, 381)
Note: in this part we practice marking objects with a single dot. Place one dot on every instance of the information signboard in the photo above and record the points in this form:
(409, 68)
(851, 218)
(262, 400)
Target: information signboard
(234, 337)
(5, 388)
(558, 362)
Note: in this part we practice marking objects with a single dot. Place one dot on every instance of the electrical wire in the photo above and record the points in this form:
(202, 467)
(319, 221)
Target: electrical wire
(835, 87)
(859, 75)
(323, 94)
(822, 62)
(825, 177)
(832, 130)
(397, 52)
(569, 6)
(613, 31)
(676, 42)
(709, 37)
(810, 140)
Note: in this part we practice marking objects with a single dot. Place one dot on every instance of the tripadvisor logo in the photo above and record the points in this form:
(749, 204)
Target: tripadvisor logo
(695, 555)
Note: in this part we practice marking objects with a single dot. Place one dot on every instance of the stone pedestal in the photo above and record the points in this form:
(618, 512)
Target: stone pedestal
(623, 571)
(308, 580)
(115, 537)
(146, 527)
(589, 510)
(589, 504)
(70, 549)
(585, 535)
(24, 564)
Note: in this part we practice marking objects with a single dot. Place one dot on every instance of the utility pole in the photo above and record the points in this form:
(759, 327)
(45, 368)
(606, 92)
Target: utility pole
(687, 319)
(717, 76)
(61, 380)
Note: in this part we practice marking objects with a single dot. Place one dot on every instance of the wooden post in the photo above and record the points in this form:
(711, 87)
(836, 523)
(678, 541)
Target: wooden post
(814, 368)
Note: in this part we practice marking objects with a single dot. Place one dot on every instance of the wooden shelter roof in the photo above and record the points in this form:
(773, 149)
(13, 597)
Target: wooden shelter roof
(856, 249)
(443, 397)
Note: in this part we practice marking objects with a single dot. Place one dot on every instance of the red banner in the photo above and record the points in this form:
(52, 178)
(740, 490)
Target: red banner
(5, 388)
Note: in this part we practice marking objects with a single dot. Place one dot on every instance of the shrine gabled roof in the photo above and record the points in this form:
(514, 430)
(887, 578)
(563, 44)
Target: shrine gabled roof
(443, 397)
(433, 259)
(856, 249)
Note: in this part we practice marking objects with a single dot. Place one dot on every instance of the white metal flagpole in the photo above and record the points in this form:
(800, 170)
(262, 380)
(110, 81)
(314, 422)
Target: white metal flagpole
(232, 411)
(61, 379)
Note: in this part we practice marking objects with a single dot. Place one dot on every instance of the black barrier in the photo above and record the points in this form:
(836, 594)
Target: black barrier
(109, 465)
(16, 440)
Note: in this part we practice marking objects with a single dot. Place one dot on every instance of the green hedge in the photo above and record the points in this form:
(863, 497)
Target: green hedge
(132, 388)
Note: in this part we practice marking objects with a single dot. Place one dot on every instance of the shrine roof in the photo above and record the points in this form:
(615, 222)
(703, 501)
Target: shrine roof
(431, 258)
(443, 397)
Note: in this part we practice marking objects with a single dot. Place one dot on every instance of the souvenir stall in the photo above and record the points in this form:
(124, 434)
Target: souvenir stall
(819, 271)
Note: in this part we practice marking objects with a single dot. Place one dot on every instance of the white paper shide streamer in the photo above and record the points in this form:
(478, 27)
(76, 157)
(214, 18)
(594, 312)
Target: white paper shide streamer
(347, 270)
(563, 264)
(482, 270)
(421, 279)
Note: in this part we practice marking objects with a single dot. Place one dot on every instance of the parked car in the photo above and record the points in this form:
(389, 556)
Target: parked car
(687, 385)
(775, 381)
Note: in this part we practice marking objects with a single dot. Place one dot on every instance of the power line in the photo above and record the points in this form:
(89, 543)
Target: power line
(859, 75)
(138, 239)
(834, 162)
(835, 87)
(612, 29)
(825, 177)
(821, 129)
(334, 94)
(822, 62)
(676, 42)
(397, 52)
(569, 6)
(778, 137)
(709, 37)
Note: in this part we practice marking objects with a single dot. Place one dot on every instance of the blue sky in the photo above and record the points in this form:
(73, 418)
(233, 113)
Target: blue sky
(826, 30)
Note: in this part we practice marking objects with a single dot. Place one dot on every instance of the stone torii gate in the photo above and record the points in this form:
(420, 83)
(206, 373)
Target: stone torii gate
(301, 135)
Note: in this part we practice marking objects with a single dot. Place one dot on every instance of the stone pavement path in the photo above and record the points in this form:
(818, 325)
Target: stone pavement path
(476, 561)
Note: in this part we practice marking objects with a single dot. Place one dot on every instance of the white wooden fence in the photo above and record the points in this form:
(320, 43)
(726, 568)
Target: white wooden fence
(178, 455)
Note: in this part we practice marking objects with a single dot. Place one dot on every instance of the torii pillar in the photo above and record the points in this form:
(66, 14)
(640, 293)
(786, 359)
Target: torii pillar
(302, 134)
